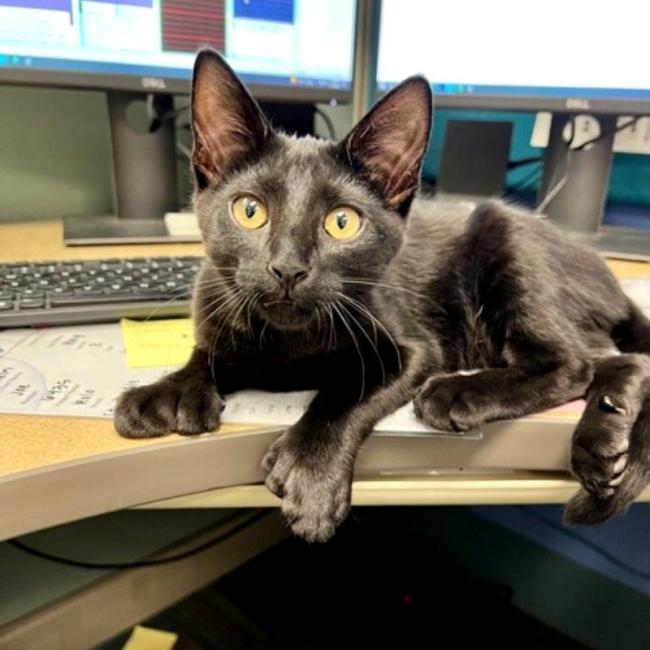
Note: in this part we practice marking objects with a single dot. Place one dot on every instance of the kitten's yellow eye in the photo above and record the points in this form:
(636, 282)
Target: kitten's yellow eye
(249, 212)
(343, 223)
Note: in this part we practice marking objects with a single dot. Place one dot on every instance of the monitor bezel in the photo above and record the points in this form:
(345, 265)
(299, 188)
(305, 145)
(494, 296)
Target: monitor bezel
(533, 103)
(158, 84)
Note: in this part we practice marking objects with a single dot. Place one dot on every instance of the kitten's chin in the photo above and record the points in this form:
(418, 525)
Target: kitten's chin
(287, 315)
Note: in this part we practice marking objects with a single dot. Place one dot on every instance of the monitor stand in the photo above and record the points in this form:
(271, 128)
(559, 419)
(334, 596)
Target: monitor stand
(579, 205)
(144, 174)
(145, 170)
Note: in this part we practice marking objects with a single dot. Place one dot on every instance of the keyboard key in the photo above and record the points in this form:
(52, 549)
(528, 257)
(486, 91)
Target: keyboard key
(29, 293)
(5, 305)
(31, 303)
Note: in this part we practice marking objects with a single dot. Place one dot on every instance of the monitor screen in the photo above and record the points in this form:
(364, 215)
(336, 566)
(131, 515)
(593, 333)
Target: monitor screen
(550, 54)
(300, 44)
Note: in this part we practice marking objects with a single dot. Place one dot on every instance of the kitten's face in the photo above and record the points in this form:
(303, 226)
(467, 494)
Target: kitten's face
(298, 232)
(299, 226)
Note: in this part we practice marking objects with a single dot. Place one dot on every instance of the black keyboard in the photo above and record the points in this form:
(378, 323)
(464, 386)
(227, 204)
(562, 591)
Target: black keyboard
(65, 293)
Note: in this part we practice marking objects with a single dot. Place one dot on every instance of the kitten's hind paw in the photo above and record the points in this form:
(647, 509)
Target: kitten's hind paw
(600, 447)
(588, 509)
(168, 406)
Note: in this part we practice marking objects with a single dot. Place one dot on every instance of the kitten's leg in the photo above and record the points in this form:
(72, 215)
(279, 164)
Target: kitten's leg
(463, 401)
(611, 444)
(186, 401)
(311, 465)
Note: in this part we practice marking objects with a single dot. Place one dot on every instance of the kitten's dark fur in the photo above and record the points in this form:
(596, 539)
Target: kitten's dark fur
(425, 290)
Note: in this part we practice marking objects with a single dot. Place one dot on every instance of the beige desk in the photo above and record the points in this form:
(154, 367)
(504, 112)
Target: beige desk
(54, 470)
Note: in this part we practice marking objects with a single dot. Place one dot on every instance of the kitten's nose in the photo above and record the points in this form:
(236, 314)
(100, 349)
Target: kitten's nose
(287, 275)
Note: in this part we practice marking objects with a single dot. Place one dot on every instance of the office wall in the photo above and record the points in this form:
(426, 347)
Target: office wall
(54, 153)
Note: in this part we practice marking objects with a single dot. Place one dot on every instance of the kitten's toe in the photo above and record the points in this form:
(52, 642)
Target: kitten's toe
(314, 505)
(166, 407)
(277, 462)
(446, 404)
(599, 474)
(600, 451)
(198, 411)
(272, 453)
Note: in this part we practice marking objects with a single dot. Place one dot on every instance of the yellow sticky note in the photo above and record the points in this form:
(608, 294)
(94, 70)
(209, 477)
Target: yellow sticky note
(146, 638)
(157, 343)
(625, 269)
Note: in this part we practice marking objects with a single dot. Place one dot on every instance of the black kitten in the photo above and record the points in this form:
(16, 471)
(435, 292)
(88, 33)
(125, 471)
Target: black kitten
(325, 270)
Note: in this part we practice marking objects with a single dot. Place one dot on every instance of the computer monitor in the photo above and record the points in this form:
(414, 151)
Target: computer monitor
(292, 51)
(551, 55)
(570, 57)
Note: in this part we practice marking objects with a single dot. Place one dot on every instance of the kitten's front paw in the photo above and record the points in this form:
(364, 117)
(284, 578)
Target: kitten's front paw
(599, 452)
(449, 403)
(314, 504)
(314, 501)
(168, 406)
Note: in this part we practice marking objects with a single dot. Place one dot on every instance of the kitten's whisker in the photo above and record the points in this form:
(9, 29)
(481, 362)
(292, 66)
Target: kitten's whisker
(371, 317)
(179, 291)
(384, 285)
(217, 296)
(336, 306)
(236, 313)
(372, 343)
(154, 311)
(319, 324)
(360, 307)
(262, 332)
(220, 326)
(230, 305)
(249, 316)
(215, 306)
(332, 327)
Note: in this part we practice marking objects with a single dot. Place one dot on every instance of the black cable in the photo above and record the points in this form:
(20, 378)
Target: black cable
(588, 543)
(156, 118)
(604, 134)
(328, 122)
(139, 563)
(513, 164)
(553, 189)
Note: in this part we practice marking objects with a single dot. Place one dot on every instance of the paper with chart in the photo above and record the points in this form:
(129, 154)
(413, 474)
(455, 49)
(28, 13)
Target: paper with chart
(74, 371)
(80, 371)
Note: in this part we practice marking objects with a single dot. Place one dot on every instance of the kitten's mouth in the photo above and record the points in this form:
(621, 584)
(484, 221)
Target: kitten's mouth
(270, 304)
(286, 313)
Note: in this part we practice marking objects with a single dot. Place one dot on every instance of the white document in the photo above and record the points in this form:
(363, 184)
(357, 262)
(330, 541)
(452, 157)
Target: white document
(76, 371)
(81, 370)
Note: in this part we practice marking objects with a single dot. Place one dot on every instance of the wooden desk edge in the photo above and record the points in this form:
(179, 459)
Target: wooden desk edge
(529, 488)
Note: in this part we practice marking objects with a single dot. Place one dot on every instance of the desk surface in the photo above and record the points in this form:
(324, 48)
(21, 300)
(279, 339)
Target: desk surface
(37, 441)
(33, 443)
(43, 240)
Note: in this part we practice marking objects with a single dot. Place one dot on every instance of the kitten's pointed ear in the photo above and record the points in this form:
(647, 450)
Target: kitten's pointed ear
(388, 144)
(228, 125)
